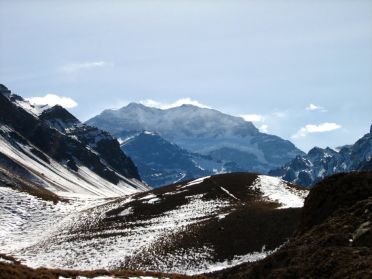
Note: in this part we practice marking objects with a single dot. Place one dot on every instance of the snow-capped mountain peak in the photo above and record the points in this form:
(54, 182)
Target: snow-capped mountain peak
(207, 132)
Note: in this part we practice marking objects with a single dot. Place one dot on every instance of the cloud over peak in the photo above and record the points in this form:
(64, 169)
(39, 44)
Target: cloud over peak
(52, 100)
(179, 102)
(77, 67)
(253, 117)
(311, 128)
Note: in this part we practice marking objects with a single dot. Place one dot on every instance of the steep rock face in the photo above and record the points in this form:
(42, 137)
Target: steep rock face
(59, 118)
(40, 145)
(204, 131)
(308, 169)
(333, 240)
(100, 141)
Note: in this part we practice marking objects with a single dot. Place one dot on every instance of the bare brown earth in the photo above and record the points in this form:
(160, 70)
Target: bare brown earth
(17, 271)
(334, 239)
(11, 180)
(13, 269)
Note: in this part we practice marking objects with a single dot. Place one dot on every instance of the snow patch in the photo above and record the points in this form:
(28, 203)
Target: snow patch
(276, 189)
(196, 181)
(211, 267)
(147, 197)
(126, 212)
(227, 192)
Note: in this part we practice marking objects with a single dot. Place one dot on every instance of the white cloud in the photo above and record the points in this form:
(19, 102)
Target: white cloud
(253, 117)
(76, 67)
(311, 128)
(264, 128)
(279, 114)
(52, 100)
(180, 102)
(313, 107)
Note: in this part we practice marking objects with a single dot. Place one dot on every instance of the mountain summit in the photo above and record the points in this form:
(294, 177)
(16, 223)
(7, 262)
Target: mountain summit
(236, 144)
(174, 123)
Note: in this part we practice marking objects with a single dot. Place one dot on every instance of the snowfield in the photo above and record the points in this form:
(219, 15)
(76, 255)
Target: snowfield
(143, 231)
(25, 219)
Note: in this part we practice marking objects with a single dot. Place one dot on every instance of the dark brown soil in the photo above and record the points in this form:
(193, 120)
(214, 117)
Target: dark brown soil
(334, 239)
(17, 271)
(9, 179)
(334, 193)
(246, 230)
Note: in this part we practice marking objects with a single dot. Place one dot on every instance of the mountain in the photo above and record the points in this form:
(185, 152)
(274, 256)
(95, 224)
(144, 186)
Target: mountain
(226, 139)
(308, 169)
(160, 162)
(333, 239)
(45, 148)
(191, 227)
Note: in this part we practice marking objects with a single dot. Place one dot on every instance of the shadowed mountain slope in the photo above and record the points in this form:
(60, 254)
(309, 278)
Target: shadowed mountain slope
(333, 240)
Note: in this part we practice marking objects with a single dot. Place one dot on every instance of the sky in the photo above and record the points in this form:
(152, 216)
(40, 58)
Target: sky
(301, 70)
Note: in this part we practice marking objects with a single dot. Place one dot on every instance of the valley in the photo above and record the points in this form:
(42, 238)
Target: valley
(73, 204)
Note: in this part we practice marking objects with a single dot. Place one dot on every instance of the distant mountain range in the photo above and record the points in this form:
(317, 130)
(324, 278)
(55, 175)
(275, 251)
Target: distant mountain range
(205, 141)
(45, 148)
(318, 163)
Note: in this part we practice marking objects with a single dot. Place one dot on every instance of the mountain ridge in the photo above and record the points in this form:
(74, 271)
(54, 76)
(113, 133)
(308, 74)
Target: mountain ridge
(319, 162)
(203, 131)
(39, 140)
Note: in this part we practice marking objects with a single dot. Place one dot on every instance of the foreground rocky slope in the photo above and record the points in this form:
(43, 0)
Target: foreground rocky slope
(13, 269)
(44, 148)
(333, 240)
(192, 227)
(319, 163)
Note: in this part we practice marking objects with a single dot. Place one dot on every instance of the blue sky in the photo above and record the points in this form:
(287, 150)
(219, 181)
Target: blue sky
(300, 69)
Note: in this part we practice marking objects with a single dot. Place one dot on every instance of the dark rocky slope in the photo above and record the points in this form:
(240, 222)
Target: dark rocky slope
(42, 140)
(333, 240)
(13, 269)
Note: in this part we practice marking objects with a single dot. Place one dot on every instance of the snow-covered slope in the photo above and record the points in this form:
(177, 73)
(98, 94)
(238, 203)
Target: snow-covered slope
(193, 227)
(42, 148)
(58, 178)
(319, 163)
(205, 131)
